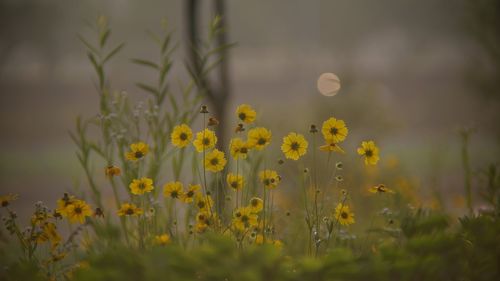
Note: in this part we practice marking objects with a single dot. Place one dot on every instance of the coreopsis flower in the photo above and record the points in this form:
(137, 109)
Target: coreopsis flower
(381, 188)
(343, 214)
(215, 161)
(269, 178)
(137, 151)
(370, 151)
(238, 148)
(78, 211)
(203, 202)
(246, 113)
(259, 138)
(49, 233)
(129, 209)
(234, 181)
(189, 195)
(162, 239)
(294, 146)
(205, 139)
(331, 147)
(141, 186)
(181, 136)
(6, 199)
(244, 218)
(63, 203)
(173, 190)
(112, 171)
(334, 130)
(256, 205)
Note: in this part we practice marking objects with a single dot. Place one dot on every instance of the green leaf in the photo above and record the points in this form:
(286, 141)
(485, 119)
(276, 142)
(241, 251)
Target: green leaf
(104, 37)
(113, 52)
(147, 88)
(146, 63)
(88, 45)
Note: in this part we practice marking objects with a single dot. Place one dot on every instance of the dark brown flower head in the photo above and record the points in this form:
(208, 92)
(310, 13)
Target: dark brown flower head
(203, 109)
(313, 129)
(239, 128)
(212, 121)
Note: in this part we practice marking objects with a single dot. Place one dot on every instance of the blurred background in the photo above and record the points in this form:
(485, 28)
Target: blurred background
(413, 73)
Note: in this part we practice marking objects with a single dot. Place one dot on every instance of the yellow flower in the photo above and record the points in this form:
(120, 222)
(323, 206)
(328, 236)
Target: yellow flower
(137, 151)
(215, 161)
(204, 202)
(244, 218)
(381, 188)
(330, 146)
(343, 215)
(181, 135)
(369, 150)
(173, 190)
(236, 182)
(162, 239)
(141, 186)
(246, 113)
(269, 178)
(129, 209)
(294, 146)
(6, 199)
(256, 205)
(204, 140)
(78, 211)
(49, 233)
(189, 195)
(259, 138)
(63, 203)
(238, 148)
(334, 130)
(112, 171)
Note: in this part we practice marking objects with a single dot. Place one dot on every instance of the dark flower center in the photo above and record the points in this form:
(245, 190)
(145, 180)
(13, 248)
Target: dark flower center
(244, 219)
(206, 141)
(174, 194)
(294, 146)
(142, 186)
(334, 131)
(138, 154)
(344, 215)
(267, 181)
(244, 150)
(183, 136)
(261, 141)
(129, 211)
(78, 210)
(234, 184)
(242, 116)
(214, 161)
(190, 193)
(201, 204)
(369, 153)
(255, 203)
(5, 203)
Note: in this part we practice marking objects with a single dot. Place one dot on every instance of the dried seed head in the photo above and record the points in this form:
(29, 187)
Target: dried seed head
(280, 161)
(204, 109)
(313, 129)
(212, 121)
(339, 165)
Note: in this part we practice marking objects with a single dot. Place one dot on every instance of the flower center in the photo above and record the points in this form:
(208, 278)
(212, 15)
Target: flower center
(334, 131)
(261, 141)
(142, 186)
(214, 161)
(244, 150)
(295, 146)
(129, 211)
(190, 193)
(206, 141)
(255, 203)
(78, 210)
(242, 116)
(183, 136)
(344, 215)
(267, 181)
(201, 204)
(369, 153)
(174, 194)
(234, 184)
(244, 218)
(138, 154)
